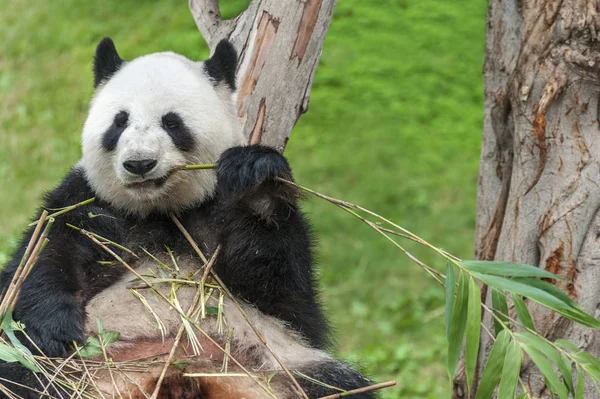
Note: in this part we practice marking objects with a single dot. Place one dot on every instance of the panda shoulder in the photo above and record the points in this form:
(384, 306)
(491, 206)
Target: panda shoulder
(73, 189)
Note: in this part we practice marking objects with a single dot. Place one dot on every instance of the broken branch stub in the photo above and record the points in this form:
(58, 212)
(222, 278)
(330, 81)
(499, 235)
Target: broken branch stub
(279, 44)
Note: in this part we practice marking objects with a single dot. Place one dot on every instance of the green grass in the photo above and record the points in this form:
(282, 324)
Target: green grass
(394, 125)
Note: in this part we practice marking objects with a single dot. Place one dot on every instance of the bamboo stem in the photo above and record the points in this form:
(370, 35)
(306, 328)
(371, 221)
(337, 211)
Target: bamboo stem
(196, 167)
(66, 209)
(361, 390)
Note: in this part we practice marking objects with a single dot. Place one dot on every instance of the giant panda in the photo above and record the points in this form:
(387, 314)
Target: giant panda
(148, 116)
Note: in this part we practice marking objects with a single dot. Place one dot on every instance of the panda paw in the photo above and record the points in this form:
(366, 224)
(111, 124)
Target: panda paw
(240, 169)
(54, 333)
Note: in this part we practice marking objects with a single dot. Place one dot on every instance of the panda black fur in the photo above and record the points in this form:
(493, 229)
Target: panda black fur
(148, 116)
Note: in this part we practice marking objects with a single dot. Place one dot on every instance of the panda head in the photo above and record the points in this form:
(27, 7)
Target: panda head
(152, 114)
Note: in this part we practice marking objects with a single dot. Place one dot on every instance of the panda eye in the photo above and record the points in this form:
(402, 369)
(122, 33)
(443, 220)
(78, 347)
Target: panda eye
(121, 119)
(172, 124)
(171, 121)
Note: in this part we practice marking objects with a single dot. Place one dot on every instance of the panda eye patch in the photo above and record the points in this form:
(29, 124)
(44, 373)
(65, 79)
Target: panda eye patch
(121, 119)
(180, 134)
(110, 138)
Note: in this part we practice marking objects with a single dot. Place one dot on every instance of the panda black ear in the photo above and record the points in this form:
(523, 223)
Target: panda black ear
(222, 65)
(106, 61)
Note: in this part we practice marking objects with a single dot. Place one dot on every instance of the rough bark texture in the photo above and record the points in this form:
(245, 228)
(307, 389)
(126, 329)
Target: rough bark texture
(539, 182)
(279, 43)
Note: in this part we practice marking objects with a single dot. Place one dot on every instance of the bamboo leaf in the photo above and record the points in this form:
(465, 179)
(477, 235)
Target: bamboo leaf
(549, 288)
(540, 345)
(590, 364)
(577, 314)
(8, 353)
(510, 371)
(506, 269)
(523, 312)
(564, 344)
(543, 297)
(580, 384)
(11, 354)
(567, 372)
(501, 307)
(473, 330)
(8, 329)
(559, 360)
(546, 369)
(450, 292)
(493, 367)
(457, 324)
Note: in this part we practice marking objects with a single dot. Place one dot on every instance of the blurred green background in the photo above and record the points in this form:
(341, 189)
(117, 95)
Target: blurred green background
(394, 125)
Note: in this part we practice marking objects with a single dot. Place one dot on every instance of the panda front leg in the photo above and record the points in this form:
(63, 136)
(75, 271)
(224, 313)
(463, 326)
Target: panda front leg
(266, 256)
(47, 304)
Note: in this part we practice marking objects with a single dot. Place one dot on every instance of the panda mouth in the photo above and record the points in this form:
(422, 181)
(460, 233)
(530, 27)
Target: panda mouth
(142, 183)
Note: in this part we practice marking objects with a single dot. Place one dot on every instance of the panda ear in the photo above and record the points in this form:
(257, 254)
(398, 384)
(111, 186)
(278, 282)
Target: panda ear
(221, 67)
(106, 61)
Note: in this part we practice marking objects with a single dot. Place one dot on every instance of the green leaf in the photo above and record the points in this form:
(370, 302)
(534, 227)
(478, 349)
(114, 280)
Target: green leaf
(274, 373)
(566, 369)
(510, 371)
(8, 353)
(580, 384)
(501, 307)
(523, 395)
(8, 329)
(99, 324)
(493, 367)
(450, 292)
(506, 269)
(577, 314)
(11, 354)
(563, 343)
(473, 330)
(546, 369)
(540, 296)
(549, 288)
(540, 345)
(90, 353)
(212, 310)
(182, 364)
(457, 324)
(110, 337)
(590, 364)
(523, 312)
(91, 348)
(559, 360)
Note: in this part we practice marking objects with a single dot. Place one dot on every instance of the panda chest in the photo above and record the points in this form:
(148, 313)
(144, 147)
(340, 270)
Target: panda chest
(151, 301)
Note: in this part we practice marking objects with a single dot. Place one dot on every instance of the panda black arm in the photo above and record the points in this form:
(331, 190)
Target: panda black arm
(50, 301)
(267, 248)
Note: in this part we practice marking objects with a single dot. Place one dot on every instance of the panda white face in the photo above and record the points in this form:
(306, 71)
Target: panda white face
(151, 115)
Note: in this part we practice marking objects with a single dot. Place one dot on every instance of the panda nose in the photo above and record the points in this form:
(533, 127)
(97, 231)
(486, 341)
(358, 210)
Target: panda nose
(140, 167)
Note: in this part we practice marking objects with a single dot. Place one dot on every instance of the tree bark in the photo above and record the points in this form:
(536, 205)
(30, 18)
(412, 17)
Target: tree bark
(539, 181)
(279, 43)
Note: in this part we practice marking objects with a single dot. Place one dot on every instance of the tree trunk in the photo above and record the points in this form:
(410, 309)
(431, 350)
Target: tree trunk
(279, 43)
(539, 181)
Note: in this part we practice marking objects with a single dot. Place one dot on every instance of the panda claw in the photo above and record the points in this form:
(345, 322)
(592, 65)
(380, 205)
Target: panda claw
(242, 168)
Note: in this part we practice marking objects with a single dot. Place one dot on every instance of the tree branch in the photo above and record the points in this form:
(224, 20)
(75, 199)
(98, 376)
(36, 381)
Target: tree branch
(279, 44)
(208, 19)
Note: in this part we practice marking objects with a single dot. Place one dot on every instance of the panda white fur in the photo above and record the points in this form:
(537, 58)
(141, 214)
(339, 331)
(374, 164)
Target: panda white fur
(148, 116)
